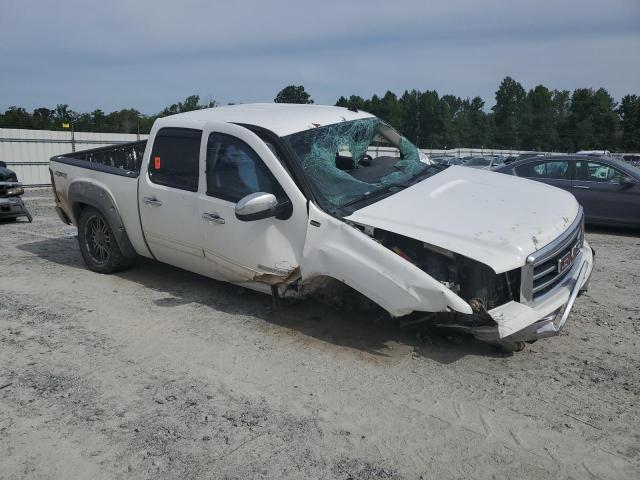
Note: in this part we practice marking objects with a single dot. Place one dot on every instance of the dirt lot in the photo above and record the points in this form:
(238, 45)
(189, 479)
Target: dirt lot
(160, 373)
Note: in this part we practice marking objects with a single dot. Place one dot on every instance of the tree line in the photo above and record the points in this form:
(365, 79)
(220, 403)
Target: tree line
(538, 119)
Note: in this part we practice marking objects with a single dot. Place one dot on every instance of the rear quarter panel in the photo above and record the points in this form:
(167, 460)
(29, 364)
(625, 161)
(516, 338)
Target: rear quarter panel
(123, 190)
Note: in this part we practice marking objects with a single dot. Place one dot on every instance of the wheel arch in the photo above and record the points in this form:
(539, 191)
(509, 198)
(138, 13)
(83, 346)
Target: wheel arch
(86, 194)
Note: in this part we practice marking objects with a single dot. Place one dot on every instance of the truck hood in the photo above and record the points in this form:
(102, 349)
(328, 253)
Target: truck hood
(494, 218)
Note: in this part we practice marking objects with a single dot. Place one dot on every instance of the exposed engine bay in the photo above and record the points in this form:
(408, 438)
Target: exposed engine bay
(473, 281)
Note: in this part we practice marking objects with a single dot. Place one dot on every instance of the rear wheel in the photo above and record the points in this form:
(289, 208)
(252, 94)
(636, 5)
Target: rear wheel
(98, 246)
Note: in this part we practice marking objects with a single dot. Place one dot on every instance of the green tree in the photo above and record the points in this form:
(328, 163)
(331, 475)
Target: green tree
(63, 114)
(508, 112)
(354, 102)
(410, 115)
(592, 121)
(293, 94)
(391, 109)
(42, 118)
(430, 120)
(561, 100)
(472, 123)
(16, 117)
(629, 112)
(538, 128)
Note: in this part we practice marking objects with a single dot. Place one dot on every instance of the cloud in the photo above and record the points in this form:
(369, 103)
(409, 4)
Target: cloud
(148, 54)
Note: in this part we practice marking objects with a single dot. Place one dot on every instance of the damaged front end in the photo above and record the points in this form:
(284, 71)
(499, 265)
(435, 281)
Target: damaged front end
(471, 280)
(508, 308)
(453, 247)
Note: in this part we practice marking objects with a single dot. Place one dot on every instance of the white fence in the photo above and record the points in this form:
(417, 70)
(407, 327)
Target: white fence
(27, 152)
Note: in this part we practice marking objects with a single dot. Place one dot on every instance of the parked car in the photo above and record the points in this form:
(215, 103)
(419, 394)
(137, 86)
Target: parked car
(284, 199)
(446, 160)
(521, 156)
(11, 205)
(632, 159)
(485, 162)
(595, 153)
(608, 189)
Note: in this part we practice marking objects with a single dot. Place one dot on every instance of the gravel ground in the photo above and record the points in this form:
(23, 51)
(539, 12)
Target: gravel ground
(160, 373)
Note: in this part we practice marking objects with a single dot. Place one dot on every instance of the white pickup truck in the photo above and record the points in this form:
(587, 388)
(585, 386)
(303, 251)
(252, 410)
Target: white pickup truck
(288, 199)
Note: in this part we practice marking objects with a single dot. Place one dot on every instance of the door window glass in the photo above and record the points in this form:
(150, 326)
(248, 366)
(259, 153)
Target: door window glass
(234, 170)
(598, 172)
(175, 157)
(554, 169)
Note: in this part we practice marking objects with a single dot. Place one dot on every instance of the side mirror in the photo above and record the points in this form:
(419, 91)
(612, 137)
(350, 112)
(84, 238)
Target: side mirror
(628, 181)
(256, 206)
(3, 164)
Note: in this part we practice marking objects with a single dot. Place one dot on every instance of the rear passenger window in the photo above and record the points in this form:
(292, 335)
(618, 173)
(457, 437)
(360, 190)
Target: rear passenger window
(555, 169)
(175, 157)
(234, 170)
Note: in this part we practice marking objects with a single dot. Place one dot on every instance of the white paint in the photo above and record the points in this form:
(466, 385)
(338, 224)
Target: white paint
(340, 251)
(494, 218)
(281, 118)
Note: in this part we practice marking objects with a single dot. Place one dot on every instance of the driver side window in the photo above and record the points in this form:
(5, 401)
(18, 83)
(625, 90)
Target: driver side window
(234, 170)
(552, 169)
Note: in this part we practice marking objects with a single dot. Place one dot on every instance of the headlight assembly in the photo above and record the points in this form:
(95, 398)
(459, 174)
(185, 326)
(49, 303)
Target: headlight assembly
(15, 191)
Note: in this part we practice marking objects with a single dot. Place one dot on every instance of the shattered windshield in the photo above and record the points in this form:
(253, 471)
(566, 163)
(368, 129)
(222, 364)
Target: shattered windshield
(352, 161)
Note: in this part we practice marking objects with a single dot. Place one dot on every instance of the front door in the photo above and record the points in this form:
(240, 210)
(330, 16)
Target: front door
(600, 189)
(168, 198)
(552, 172)
(239, 163)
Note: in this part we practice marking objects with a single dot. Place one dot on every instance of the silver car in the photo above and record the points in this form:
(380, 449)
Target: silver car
(485, 162)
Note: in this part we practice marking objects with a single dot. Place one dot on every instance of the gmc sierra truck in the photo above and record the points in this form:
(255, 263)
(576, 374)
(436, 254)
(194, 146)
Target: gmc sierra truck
(288, 199)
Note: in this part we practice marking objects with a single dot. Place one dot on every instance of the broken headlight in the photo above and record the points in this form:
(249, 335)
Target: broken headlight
(473, 281)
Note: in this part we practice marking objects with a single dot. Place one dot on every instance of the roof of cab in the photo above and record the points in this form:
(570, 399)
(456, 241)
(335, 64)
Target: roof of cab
(281, 118)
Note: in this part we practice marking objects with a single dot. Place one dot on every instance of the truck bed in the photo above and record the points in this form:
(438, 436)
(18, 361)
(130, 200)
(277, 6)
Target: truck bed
(114, 170)
(123, 159)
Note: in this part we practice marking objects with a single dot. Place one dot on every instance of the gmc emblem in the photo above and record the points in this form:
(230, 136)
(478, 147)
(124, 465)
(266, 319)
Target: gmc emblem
(567, 259)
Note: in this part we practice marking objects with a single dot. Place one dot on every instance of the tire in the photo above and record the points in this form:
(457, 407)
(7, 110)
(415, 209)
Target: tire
(98, 245)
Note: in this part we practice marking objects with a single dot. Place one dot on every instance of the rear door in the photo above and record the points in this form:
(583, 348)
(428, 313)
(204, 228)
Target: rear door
(168, 198)
(239, 163)
(599, 187)
(556, 172)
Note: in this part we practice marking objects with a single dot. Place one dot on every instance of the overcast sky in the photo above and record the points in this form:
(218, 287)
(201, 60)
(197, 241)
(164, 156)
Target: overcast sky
(148, 54)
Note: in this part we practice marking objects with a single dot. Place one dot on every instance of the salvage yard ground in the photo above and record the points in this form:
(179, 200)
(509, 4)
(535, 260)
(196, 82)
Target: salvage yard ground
(160, 373)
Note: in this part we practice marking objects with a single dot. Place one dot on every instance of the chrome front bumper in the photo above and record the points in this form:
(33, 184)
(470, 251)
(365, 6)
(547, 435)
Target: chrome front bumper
(546, 317)
(551, 324)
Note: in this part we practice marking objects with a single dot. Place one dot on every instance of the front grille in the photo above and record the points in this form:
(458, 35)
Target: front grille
(547, 267)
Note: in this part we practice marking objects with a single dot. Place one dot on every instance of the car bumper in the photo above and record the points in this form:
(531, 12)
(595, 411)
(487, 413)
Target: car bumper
(519, 322)
(12, 207)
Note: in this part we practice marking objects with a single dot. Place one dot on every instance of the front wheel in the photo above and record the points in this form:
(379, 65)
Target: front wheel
(98, 246)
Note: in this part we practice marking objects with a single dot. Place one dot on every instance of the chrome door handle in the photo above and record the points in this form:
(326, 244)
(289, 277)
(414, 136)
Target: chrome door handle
(584, 187)
(153, 201)
(213, 217)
